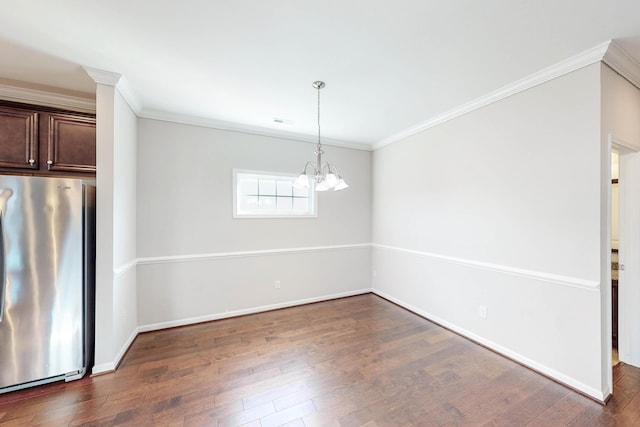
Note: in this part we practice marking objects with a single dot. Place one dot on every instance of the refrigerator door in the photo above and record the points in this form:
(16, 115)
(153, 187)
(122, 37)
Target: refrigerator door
(41, 329)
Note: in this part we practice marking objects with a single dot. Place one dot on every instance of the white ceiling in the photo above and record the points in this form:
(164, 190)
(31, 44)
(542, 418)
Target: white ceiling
(388, 65)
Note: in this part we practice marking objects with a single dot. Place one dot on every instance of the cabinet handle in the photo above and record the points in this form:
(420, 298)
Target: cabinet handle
(49, 162)
(31, 161)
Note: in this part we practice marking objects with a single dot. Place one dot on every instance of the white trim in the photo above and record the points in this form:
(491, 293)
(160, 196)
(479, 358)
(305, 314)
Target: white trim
(48, 99)
(623, 63)
(560, 377)
(573, 282)
(118, 271)
(241, 254)
(629, 255)
(252, 130)
(253, 310)
(606, 294)
(112, 366)
(129, 95)
(103, 77)
(625, 145)
(119, 82)
(103, 368)
(569, 65)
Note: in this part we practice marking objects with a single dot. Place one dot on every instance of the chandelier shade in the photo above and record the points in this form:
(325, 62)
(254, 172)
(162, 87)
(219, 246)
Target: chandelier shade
(325, 176)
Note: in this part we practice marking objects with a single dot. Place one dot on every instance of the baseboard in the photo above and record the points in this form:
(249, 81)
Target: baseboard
(253, 310)
(105, 368)
(552, 374)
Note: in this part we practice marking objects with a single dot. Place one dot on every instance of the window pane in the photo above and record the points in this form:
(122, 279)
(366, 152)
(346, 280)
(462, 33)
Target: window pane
(284, 204)
(300, 205)
(248, 186)
(267, 187)
(248, 204)
(300, 192)
(285, 188)
(267, 203)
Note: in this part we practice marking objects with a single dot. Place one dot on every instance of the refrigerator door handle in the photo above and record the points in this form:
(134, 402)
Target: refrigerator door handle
(3, 267)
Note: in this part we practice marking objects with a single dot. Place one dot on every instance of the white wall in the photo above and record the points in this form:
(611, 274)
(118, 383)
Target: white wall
(116, 309)
(193, 260)
(501, 208)
(620, 107)
(124, 226)
(104, 354)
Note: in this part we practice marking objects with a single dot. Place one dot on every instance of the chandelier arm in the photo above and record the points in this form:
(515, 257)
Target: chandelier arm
(326, 168)
(304, 169)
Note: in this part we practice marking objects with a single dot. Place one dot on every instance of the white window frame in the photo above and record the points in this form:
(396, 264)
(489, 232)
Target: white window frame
(313, 200)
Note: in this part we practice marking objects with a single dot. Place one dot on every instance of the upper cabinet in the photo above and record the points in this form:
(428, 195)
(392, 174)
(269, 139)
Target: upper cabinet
(44, 141)
(71, 144)
(18, 138)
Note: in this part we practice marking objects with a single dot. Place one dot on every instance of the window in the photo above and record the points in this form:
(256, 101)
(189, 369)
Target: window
(270, 195)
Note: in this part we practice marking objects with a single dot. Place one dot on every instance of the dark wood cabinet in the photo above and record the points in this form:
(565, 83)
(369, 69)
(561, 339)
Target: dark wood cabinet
(71, 145)
(38, 140)
(18, 138)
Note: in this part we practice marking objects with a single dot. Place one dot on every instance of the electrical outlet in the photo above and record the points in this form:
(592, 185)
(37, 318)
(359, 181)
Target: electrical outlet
(277, 284)
(482, 311)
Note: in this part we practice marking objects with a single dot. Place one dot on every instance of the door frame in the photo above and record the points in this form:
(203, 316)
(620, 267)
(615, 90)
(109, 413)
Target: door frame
(629, 254)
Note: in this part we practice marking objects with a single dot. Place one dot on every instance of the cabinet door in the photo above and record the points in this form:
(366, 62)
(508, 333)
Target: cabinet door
(18, 138)
(72, 143)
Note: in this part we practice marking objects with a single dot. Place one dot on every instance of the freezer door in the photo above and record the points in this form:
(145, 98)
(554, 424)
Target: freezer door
(41, 330)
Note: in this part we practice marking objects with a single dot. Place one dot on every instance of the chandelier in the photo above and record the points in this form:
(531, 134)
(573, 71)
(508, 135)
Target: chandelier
(325, 175)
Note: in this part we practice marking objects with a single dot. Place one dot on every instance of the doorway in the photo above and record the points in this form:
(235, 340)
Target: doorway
(626, 319)
(615, 265)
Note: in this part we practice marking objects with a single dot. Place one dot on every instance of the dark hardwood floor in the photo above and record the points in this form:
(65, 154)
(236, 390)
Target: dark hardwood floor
(358, 361)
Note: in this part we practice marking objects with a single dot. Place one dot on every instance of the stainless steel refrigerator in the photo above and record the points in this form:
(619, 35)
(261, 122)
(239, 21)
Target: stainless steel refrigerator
(47, 277)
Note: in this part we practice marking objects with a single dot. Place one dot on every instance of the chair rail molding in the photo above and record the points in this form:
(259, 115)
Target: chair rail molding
(574, 282)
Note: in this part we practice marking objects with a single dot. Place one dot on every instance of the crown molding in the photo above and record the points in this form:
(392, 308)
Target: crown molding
(129, 95)
(252, 130)
(119, 82)
(623, 63)
(122, 85)
(103, 77)
(588, 57)
(48, 99)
